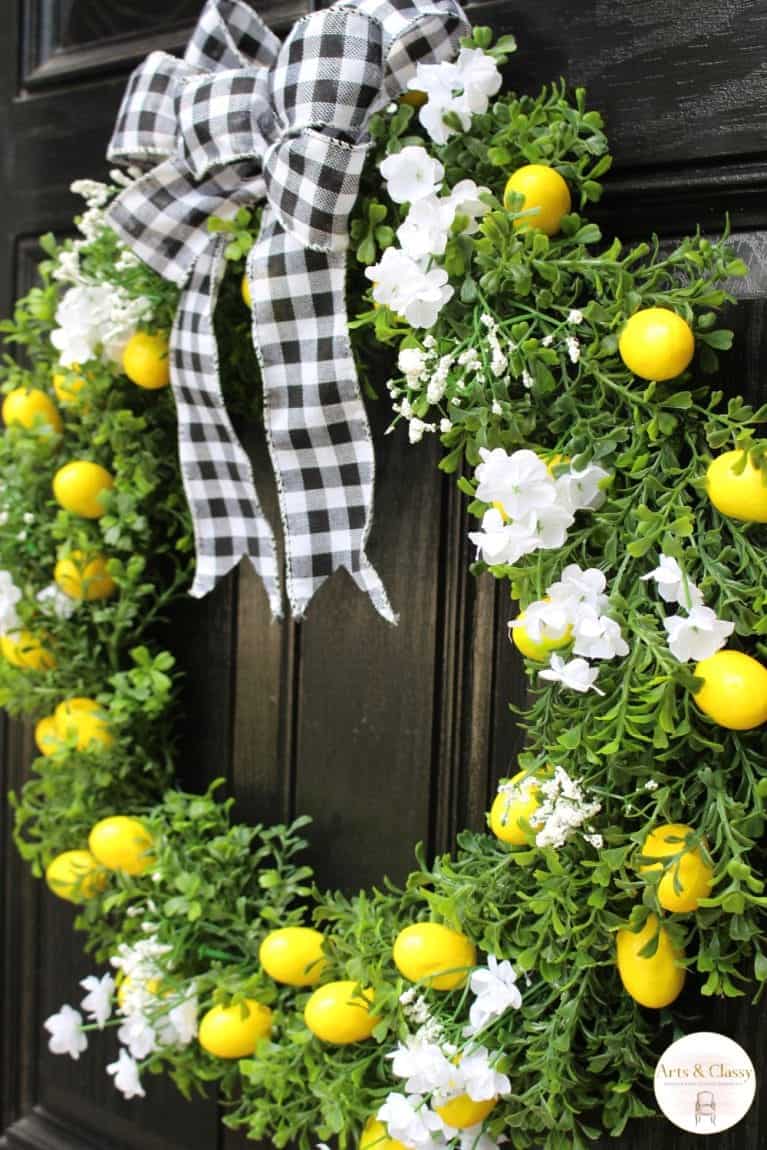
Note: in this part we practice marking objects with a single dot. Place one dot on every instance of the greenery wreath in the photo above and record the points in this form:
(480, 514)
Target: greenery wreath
(558, 371)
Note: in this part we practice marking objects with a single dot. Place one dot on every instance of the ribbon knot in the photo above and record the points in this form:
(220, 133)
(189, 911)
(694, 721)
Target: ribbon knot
(239, 120)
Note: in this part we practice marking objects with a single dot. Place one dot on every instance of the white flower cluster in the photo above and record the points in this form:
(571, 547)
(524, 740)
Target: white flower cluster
(9, 597)
(433, 1076)
(53, 601)
(575, 607)
(95, 319)
(151, 1019)
(462, 87)
(563, 810)
(698, 634)
(531, 509)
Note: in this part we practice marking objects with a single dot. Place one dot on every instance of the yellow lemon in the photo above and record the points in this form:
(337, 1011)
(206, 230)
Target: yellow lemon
(545, 193)
(80, 487)
(122, 843)
(68, 388)
(75, 876)
(689, 879)
(462, 1112)
(656, 981)
(414, 98)
(376, 1137)
(339, 1012)
(146, 361)
(25, 650)
(293, 955)
(247, 298)
(28, 406)
(539, 649)
(510, 807)
(82, 577)
(428, 950)
(235, 1031)
(742, 496)
(47, 736)
(734, 691)
(656, 343)
(85, 720)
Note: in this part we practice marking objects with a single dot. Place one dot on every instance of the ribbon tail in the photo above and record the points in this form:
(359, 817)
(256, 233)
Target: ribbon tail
(218, 479)
(316, 425)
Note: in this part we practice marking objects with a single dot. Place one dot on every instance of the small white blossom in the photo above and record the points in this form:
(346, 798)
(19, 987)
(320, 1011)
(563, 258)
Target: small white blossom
(66, 1031)
(573, 348)
(580, 588)
(465, 199)
(410, 1121)
(527, 379)
(547, 340)
(496, 991)
(496, 408)
(95, 194)
(575, 316)
(576, 674)
(53, 601)
(580, 490)
(179, 1026)
(416, 429)
(503, 542)
(651, 785)
(445, 425)
(698, 635)
(673, 584)
(412, 175)
(97, 1003)
(552, 525)
(598, 637)
(10, 595)
(562, 811)
(138, 1035)
(480, 1080)
(427, 227)
(412, 364)
(423, 1065)
(463, 87)
(126, 1076)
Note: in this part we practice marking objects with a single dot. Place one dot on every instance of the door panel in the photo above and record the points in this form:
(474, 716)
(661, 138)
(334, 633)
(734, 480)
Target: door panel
(385, 736)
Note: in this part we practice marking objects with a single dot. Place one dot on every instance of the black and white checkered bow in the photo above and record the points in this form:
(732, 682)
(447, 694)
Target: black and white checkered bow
(240, 119)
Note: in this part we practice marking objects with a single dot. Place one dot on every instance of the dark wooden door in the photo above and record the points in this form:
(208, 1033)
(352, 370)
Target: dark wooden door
(384, 736)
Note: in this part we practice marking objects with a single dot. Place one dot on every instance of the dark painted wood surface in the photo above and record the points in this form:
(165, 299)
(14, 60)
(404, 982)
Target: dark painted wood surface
(384, 736)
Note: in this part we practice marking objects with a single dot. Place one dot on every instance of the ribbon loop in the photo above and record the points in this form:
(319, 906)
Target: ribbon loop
(238, 121)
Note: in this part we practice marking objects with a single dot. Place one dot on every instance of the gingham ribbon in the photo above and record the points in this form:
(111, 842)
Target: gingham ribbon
(241, 119)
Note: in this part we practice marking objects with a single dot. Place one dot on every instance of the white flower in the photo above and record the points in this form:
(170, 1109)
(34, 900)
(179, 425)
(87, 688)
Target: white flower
(673, 585)
(138, 1034)
(9, 597)
(580, 490)
(410, 1121)
(416, 429)
(445, 425)
(423, 1065)
(544, 621)
(520, 481)
(562, 811)
(426, 229)
(480, 78)
(95, 194)
(553, 523)
(465, 199)
(179, 1027)
(412, 175)
(573, 348)
(475, 1139)
(410, 291)
(53, 600)
(598, 637)
(496, 990)
(576, 674)
(651, 785)
(547, 340)
(93, 318)
(66, 1031)
(502, 542)
(463, 87)
(698, 635)
(575, 316)
(125, 1074)
(527, 379)
(480, 1080)
(577, 588)
(412, 363)
(97, 1003)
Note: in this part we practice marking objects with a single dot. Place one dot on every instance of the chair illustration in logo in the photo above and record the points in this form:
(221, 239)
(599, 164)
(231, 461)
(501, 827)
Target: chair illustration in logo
(705, 1106)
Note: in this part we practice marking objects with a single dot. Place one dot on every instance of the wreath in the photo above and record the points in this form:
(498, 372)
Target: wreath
(516, 990)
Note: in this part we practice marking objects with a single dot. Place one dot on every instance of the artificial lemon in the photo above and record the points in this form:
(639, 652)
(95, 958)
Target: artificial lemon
(428, 950)
(734, 691)
(28, 407)
(75, 876)
(122, 843)
(146, 361)
(85, 720)
(25, 650)
(47, 735)
(551, 638)
(510, 807)
(414, 98)
(339, 1012)
(543, 190)
(245, 292)
(293, 955)
(82, 577)
(376, 1137)
(742, 496)
(80, 487)
(654, 981)
(462, 1112)
(67, 388)
(656, 343)
(689, 879)
(234, 1031)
